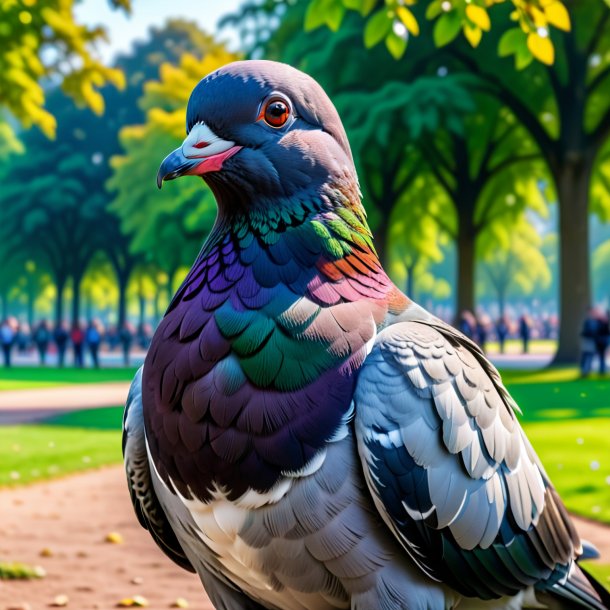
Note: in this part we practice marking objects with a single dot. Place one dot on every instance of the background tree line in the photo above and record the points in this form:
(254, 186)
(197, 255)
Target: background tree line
(481, 158)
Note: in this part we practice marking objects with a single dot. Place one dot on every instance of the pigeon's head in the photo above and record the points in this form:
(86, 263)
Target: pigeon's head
(261, 130)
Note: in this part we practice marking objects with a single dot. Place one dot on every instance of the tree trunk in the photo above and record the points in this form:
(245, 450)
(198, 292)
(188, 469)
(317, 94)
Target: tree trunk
(142, 304)
(501, 302)
(76, 282)
(30, 312)
(572, 180)
(122, 306)
(60, 284)
(465, 245)
(88, 306)
(4, 297)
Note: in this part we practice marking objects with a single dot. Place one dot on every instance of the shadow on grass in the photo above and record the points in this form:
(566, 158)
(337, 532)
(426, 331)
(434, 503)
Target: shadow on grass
(104, 418)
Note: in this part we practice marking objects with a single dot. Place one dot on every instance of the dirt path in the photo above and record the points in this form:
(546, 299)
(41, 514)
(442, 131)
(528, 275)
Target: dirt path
(72, 516)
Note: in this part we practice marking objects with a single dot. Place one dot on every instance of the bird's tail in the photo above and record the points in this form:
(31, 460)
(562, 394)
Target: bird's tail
(579, 590)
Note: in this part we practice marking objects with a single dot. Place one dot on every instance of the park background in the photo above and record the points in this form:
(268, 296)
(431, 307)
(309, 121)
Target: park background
(481, 134)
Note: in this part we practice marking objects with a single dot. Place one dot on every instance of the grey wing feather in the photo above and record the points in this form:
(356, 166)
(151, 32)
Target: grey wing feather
(450, 469)
(145, 502)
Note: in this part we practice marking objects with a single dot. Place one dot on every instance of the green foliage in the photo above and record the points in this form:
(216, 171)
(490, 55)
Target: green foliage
(65, 208)
(394, 22)
(20, 571)
(512, 260)
(28, 28)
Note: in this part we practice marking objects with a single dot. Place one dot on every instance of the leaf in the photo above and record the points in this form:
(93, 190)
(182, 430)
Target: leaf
(511, 41)
(60, 601)
(396, 45)
(366, 6)
(377, 28)
(446, 28)
(557, 15)
(541, 48)
(114, 538)
(434, 10)
(137, 601)
(335, 11)
(315, 15)
(478, 15)
(473, 35)
(180, 603)
(408, 19)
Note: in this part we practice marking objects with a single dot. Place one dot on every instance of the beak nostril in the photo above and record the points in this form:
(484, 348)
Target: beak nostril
(201, 145)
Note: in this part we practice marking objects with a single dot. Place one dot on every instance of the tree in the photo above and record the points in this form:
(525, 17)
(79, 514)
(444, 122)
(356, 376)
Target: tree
(416, 241)
(562, 102)
(66, 209)
(512, 261)
(405, 119)
(28, 31)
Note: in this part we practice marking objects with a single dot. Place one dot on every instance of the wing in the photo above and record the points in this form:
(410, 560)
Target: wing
(450, 469)
(145, 502)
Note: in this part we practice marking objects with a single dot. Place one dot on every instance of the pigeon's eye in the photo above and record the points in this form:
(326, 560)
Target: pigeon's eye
(275, 112)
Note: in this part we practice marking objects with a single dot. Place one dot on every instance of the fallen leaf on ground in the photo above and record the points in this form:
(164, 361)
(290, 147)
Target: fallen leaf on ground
(114, 538)
(137, 601)
(46, 552)
(60, 601)
(180, 603)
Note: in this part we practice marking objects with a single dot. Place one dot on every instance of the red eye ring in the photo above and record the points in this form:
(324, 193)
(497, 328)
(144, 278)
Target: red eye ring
(275, 111)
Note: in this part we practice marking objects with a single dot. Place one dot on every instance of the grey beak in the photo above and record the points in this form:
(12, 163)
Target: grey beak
(174, 166)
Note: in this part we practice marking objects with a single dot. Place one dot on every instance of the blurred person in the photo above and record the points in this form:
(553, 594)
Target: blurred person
(112, 337)
(467, 324)
(42, 337)
(525, 331)
(602, 339)
(61, 336)
(93, 339)
(502, 331)
(23, 337)
(126, 335)
(588, 335)
(7, 339)
(77, 337)
(482, 328)
(547, 328)
(144, 334)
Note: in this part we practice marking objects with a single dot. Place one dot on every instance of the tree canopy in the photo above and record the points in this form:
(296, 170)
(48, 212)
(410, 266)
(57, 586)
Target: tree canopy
(41, 41)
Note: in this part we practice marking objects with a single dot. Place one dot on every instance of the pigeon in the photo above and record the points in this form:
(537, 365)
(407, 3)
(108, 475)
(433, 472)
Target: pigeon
(302, 435)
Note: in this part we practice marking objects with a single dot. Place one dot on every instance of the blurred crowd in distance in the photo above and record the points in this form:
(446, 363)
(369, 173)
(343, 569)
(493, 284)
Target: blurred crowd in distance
(595, 333)
(71, 344)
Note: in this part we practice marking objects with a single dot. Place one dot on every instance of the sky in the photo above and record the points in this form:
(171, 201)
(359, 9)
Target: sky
(123, 29)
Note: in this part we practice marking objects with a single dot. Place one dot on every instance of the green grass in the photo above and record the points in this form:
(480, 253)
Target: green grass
(104, 418)
(514, 347)
(22, 378)
(36, 452)
(568, 421)
(559, 394)
(576, 456)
